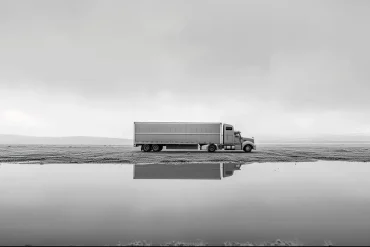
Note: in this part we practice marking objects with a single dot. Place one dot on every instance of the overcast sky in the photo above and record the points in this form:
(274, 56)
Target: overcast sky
(92, 68)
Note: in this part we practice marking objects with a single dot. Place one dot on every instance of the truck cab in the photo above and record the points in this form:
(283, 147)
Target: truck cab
(232, 140)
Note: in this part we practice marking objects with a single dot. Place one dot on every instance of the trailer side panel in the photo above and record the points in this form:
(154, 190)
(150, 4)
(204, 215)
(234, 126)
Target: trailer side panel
(177, 133)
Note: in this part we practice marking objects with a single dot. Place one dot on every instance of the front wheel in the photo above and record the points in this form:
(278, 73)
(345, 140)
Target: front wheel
(247, 148)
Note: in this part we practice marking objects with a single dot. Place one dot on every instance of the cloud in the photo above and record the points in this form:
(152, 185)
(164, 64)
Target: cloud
(18, 117)
(17, 121)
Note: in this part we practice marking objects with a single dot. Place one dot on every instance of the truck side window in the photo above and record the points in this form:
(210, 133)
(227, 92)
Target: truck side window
(229, 128)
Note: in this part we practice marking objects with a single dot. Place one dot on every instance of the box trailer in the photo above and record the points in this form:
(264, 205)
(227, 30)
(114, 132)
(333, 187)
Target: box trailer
(154, 136)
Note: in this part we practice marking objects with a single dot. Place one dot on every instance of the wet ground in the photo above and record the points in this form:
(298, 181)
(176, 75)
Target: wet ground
(131, 155)
(101, 204)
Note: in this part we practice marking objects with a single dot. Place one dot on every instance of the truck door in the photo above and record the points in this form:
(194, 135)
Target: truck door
(228, 134)
(237, 141)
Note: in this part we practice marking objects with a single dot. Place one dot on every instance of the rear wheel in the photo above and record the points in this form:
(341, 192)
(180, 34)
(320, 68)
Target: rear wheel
(248, 148)
(156, 148)
(212, 148)
(147, 148)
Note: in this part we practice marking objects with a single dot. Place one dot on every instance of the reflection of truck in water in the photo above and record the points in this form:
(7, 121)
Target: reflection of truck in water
(153, 136)
(206, 171)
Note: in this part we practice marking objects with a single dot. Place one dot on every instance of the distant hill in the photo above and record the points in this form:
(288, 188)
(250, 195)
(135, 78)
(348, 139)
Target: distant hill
(71, 140)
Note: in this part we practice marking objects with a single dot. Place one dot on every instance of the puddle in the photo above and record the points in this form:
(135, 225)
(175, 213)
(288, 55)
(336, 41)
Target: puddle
(102, 204)
(205, 171)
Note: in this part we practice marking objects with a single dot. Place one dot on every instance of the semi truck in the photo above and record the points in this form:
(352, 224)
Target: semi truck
(154, 136)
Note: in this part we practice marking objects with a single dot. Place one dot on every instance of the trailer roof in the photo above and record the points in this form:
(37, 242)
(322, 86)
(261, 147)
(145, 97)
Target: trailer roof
(182, 122)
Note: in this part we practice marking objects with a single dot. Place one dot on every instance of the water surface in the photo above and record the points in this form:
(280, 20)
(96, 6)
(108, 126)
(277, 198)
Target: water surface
(98, 204)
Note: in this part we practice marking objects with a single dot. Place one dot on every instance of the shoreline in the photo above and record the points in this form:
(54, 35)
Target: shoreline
(36, 154)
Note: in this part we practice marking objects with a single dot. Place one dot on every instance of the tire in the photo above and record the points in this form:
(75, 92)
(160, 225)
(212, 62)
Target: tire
(156, 148)
(248, 148)
(212, 148)
(147, 147)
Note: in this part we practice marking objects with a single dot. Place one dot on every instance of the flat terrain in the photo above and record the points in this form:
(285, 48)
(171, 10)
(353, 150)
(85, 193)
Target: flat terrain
(128, 154)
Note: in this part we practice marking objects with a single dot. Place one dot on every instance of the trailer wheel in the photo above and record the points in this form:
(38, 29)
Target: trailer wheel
(247, 148)
(212, 148)
(147, 148)
(156, 148)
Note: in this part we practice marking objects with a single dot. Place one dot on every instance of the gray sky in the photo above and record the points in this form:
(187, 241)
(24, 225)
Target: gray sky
(268, 67)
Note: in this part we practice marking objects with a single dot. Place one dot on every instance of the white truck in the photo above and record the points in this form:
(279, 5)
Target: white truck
(154, 136)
